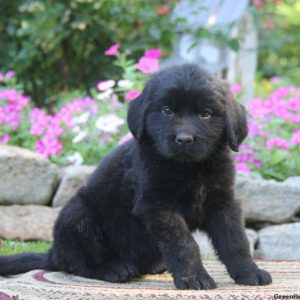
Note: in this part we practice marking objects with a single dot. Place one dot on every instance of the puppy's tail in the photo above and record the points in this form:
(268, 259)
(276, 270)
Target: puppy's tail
(20, 263)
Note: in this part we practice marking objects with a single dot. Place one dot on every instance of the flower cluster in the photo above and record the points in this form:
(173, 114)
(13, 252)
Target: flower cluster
(84, 129)
(50, 128)
(274, 134)
(81, 127)
(12, 104)
(149, 63)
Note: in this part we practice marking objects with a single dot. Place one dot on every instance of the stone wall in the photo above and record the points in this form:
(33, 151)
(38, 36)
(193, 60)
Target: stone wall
(32, 191)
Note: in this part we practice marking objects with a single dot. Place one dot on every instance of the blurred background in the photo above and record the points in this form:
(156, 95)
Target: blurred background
(68, 70)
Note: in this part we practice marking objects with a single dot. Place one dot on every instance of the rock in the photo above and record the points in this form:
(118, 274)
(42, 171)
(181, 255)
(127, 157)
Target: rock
(72, 178)
(267, 200)
(280, 242)
(26, 177)
(206, 249)
(252, 238)
(27, 222)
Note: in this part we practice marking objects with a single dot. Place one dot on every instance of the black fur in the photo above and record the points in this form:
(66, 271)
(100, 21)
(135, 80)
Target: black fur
(136, 213)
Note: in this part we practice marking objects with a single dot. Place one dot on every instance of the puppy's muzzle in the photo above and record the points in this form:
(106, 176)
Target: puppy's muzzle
(184, 139)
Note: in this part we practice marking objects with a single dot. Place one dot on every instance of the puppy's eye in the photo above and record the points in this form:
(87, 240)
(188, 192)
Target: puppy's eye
(205, 114)
(167, 111)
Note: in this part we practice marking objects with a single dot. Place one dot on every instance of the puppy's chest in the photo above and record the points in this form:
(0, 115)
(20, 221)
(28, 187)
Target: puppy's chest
(190, 205)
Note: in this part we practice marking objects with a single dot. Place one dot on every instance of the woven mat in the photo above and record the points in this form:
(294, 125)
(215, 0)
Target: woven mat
(42, 285)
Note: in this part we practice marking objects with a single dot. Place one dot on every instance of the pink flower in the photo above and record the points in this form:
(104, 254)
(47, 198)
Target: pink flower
(125, 138)
(48, 146)
(277, 142)
(163, 10)
(113, 50)
(12, 108)
(10, 74)
(259, 4)
(132, 95)
(270, 24)
(4, 139)
(242, 167)
(1, 77)
(153, 53)
(276, 79)
(148, 65)
(296, 137)
(254, 129)
(257, 108)
(235, 88)
(104, 138)
(257, 163)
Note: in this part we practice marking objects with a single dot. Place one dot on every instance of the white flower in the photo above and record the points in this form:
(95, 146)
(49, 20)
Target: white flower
(125, 84)
(75, 159)
(79, 137)
(105, 95)
(109, 123)
(76, 129)
(105, 85)
(81, 119)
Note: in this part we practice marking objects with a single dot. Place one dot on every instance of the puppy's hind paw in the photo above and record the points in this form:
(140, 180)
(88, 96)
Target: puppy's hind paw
(253, 277)
(117, 272)
(195, 282)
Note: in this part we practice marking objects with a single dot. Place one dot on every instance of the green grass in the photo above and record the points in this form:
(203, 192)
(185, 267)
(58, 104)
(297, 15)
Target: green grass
(14, 247)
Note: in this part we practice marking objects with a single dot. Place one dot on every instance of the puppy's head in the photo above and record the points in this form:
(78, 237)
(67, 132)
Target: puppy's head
(188, 114)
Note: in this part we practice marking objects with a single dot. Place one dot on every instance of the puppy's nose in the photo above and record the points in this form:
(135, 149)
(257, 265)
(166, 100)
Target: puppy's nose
(184, 139)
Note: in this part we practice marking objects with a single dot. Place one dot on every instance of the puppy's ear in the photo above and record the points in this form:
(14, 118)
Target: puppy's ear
(236, 128)
(136, 116)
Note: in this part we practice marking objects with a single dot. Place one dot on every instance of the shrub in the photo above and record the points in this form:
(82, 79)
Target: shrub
(56, 46)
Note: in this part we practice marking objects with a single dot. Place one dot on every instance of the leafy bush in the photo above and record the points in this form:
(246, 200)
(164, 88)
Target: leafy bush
(56, 46)
(278, 25)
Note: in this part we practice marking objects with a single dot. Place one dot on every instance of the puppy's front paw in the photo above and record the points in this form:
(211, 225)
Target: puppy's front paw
(195, 282)
(253, 277)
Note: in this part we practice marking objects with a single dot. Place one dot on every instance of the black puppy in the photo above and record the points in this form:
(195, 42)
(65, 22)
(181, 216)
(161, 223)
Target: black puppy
(136, 213)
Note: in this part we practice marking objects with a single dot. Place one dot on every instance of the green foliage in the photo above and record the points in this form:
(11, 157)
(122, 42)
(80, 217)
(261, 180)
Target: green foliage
(14, 247)
(279, 40)
(56, 46)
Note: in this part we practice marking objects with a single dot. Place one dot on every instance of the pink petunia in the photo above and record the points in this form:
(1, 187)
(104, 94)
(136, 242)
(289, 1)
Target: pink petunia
(153, 53)
(259, 4)
(4, 139)
(148, 65)
(113, 50)
(132, 95)
(235, 88)
(10, 74)
(48, 146)
(125, 138)
(242, 167)
(277, 142)
(296, 137)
